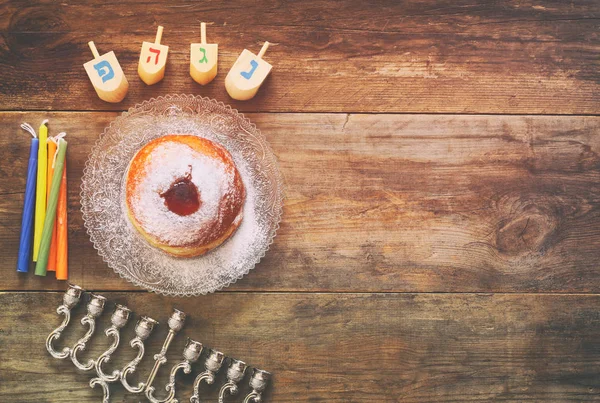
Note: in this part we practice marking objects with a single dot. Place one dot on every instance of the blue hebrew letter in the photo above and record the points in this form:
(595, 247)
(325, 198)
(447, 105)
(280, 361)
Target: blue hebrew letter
(248, 74)
(104, 70)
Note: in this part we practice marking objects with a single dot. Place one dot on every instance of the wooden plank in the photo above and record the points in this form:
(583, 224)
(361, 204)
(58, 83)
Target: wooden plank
(382, 203)
(445, 56)
(336, 348)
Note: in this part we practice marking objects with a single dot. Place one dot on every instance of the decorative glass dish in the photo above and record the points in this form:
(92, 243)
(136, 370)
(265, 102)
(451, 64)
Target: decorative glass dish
(103, 196)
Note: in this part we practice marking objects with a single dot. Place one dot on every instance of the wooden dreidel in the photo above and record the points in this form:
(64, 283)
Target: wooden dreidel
(203, 59)
(153, 60)
(247, 74)
(106, 76)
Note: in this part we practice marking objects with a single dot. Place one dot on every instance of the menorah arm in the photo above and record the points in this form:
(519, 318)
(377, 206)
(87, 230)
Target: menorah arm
(56, 333)
(207, 376)
(105, 388)
(131, 367)
(81, 344)
(253, 397)
(170, 387)
(105, 357)
(230, 387)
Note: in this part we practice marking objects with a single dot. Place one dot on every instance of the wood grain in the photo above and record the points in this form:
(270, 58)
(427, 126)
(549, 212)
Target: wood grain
(447, 56)
(336, 348)
(418, 203)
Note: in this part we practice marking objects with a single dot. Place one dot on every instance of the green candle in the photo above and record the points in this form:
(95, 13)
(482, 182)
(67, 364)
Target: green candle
(42, 262)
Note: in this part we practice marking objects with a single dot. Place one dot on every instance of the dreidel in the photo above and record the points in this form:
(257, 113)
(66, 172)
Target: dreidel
(153, 60)
(203, 59)
(106, 76)
(247, 74)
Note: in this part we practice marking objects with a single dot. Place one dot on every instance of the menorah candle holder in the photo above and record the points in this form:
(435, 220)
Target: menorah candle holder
(106, 76)
(258, 382)
(247, 74)
(175, 322)
(213, 364)
(203, 59)
(94, 309)
(235, 373)
(191, 353)
(143, 329)
(119, 318)
(153, 60)
(71, 299)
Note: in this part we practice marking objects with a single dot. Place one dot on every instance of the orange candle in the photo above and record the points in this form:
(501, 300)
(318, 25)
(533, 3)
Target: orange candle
(62, 267)
(50, 172)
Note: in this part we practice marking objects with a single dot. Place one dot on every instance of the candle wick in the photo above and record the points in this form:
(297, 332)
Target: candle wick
(27, 127)
(57, 147)
(45, 121)
(60, 135)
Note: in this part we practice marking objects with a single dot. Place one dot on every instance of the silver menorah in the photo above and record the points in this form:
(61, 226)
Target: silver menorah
(236, 369)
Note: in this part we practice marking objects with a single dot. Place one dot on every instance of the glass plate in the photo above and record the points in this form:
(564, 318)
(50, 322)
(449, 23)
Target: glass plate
(119, 243)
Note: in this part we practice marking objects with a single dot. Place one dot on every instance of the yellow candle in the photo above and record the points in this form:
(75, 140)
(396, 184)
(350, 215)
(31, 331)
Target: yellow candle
(40, 192)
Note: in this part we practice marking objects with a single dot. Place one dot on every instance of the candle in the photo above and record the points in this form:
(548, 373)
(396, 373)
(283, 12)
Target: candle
(62, 270)
(29, 204)
(42, 262)
(203, 59)
(40, 193)
(50, 173)
(247, 74)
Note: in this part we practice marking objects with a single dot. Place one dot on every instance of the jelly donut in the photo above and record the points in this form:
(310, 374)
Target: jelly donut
(184, 194)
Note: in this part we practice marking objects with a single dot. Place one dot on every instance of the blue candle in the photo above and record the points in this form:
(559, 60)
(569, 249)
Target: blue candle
(28, 207)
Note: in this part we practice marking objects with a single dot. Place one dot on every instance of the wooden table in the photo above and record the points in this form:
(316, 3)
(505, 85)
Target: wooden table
(441, 233)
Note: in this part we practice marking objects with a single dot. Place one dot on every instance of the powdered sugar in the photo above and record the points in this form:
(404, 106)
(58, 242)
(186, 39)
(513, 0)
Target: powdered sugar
(164, 166)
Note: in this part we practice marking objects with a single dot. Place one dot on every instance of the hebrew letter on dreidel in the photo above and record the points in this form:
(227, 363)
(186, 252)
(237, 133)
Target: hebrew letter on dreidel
(203, 59)
(247, 74)
(104, 70)
(152, 50)
(153, 60)
(106, 76)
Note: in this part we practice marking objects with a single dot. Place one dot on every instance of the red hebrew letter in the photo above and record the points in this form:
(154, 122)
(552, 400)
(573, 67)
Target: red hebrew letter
(157, 51)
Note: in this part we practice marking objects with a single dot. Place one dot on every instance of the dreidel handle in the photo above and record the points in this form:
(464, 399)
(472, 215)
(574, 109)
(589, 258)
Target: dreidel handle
(203, 33)
(159, 33)
(263, 50)
(93, 49)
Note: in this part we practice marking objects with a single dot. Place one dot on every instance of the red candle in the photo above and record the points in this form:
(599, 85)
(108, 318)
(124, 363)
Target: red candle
(62, 255)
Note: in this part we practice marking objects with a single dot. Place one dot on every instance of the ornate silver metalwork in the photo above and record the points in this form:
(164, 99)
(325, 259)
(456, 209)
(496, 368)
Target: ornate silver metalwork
(235, 373)
(191, 353)
(70, 300)
(118, 319)
(175, 322)
(94, 310)
(258, 382)
(213, 364)
(143, 329)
